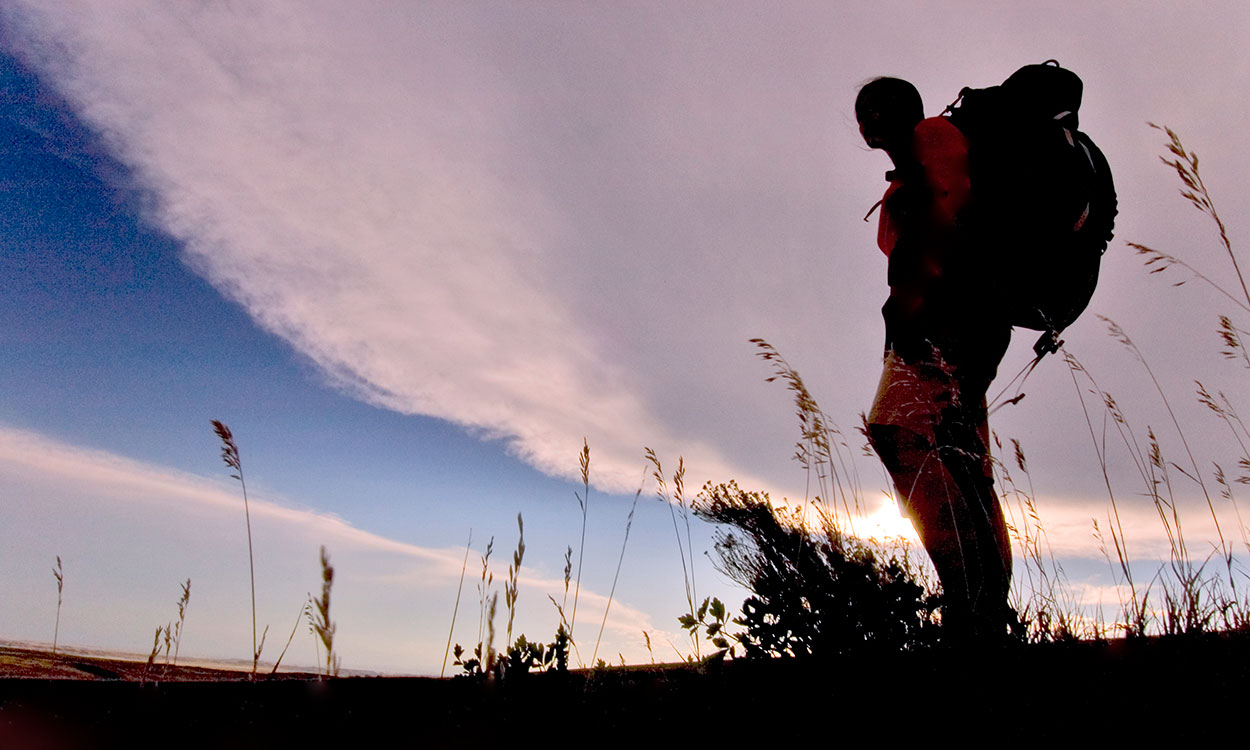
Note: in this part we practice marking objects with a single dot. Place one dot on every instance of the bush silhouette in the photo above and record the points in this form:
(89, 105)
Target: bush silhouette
(813, 592)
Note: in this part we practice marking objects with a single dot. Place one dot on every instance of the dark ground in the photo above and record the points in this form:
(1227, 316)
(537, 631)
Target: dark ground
(1078, 694)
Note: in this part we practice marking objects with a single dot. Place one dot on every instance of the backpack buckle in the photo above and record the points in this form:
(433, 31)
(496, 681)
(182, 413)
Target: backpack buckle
(1048, 343)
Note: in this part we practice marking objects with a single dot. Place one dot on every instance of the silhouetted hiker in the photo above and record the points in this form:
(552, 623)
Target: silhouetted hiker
(944, 341)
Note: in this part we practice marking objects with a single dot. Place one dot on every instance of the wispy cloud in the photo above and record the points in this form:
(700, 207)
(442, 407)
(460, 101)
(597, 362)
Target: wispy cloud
(108, 478)
(112, 518)
(454, 223)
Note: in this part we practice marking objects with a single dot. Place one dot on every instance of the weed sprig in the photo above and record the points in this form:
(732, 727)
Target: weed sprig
(183, 602)
(676, 500)
(583, 503)
(323, 626)
(59, 575)
(230, 455)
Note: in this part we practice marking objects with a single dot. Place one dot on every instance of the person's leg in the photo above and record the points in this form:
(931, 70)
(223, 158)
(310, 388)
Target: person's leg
(936, 451)
(962, 440)
(938, 508)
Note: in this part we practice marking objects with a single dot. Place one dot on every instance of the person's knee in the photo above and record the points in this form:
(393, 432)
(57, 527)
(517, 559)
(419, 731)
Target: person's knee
(898, 448)
(884, 441)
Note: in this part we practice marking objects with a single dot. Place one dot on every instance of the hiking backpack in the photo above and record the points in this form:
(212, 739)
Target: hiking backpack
(1043, 201)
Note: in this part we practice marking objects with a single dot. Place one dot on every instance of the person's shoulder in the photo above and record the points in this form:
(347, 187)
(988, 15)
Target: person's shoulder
(939, 129)
(937, 137)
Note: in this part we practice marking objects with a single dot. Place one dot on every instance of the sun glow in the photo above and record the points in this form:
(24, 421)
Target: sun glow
(885, 523)
(878, 521)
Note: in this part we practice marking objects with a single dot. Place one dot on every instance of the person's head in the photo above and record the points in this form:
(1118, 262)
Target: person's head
(888, 110)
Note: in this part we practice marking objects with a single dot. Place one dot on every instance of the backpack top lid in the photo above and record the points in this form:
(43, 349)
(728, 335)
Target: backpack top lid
(1047, 91)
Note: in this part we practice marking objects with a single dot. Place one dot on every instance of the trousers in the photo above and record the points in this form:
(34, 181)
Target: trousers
(929, 426)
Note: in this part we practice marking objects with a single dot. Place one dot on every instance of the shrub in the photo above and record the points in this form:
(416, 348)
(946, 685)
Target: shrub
(813, 593)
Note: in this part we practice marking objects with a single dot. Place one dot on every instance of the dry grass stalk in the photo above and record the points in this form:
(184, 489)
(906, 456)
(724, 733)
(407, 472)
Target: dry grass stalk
(489, 661)
(629, 522)
(1193, 600)
(1050, 612)
(1194, 190)
(1196, 475)
(483, 591)
(322, 623)
(822, 449)
(183, 602)
(59, 575)
(309, 608)
(156, 648)
(568, 575)
(305, 611)
(168, 638)
(1186, 597)
(583, 501)
(456, 609)
(1136, 610)
(674, 501)
(483, 657)
(563, 628)
(514, 574)
(230, 455)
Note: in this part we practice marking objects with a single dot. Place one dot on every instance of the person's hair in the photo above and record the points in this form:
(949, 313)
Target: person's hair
(891, 98)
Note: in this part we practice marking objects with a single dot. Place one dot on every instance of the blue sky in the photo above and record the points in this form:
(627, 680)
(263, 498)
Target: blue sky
(413, 255)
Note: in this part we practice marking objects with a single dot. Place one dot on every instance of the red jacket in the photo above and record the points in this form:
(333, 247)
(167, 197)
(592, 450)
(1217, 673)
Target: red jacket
(937, 289)
(942, 152)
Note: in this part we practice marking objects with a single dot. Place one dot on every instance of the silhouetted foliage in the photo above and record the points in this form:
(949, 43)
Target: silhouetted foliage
(523, 657)
(814, 593)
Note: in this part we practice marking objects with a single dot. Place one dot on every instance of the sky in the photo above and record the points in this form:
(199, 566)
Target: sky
(415, 254)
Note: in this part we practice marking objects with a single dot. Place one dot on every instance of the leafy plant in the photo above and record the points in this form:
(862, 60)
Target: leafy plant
(524, 656)
(559, 650)
(714, 627)
(471, 666)
(484, 659)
